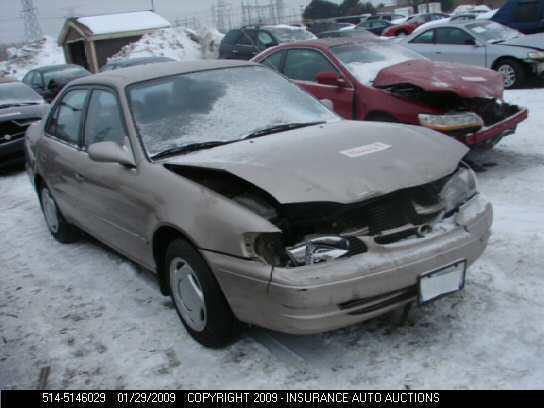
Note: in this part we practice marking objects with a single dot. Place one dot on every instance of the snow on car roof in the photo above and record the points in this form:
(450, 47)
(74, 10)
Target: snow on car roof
(123, 22)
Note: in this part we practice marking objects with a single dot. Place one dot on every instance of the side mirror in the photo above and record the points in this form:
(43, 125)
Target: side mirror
(110, 152)
(470, 41)
(330, 78)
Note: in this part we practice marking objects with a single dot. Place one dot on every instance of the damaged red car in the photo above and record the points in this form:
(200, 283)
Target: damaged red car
(373, 79)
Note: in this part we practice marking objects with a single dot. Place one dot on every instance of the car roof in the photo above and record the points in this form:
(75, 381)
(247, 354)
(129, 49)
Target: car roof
(126, 76)
(49, 68)
(328, 42)
(455, 23)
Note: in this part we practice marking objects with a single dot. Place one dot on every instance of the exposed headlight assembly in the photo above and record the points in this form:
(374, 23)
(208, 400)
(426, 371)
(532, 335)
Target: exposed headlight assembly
(318, 249)
(458, 189)
(536, 55)
(449, 122)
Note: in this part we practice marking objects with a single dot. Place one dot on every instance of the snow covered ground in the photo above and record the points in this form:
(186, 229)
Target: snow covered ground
(98, 321)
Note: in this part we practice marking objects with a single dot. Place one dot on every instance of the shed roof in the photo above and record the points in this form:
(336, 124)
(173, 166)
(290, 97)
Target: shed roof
(123, 22)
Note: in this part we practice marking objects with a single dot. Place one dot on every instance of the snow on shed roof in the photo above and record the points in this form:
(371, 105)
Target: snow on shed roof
(123, 22)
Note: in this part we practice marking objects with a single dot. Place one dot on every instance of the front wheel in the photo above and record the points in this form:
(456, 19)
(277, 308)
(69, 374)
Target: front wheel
(512, 73)
(198, 299)
(61, 230)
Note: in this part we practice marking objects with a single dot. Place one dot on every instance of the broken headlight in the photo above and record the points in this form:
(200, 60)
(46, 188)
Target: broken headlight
(450, 122)
(318, 249)
(459, 189)
(536, 55)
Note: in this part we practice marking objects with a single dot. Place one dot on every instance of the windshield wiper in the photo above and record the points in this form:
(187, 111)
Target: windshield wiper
(189, 148)
(13, 105)
(279, 128)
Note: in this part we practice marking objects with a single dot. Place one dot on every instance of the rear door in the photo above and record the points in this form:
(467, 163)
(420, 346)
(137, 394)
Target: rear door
(456, 45)
(424, 44)
(302, 66)
(246, 46)
(59, 152)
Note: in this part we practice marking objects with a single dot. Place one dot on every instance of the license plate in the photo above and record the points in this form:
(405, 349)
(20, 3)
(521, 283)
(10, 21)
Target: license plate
(443, 281)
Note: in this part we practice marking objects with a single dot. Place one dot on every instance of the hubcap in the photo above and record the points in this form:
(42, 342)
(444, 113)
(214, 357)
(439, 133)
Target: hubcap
(187, 294)
(508, 74)
(50, 211)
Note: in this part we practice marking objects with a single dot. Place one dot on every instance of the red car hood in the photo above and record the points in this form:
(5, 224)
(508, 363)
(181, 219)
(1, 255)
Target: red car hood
(465, 80)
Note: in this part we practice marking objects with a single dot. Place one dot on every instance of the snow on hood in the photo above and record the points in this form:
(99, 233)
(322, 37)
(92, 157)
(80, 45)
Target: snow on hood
(31, 55)
(175, 42)
(464, 80)
(535, 41)
(363, 160)
(123, 22)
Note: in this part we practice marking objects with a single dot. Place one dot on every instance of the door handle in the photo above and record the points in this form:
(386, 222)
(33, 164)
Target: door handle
(79, 177)
(235, 51)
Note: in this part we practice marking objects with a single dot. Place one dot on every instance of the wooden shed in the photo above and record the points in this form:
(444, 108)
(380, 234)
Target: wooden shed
(90, 41)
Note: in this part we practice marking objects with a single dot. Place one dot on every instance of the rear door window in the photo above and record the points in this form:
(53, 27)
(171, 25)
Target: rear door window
(65, 122)
(425, 38)
(274, 61)
(452, 36)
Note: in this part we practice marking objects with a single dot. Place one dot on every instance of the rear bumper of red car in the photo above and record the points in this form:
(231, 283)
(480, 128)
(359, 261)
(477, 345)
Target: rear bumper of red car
(492, 134)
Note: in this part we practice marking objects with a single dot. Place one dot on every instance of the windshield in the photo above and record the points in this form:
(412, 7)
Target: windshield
(366, 61)
(289, 33)
(490, 31)
(217, 105)
(12, 93)
(64, 74)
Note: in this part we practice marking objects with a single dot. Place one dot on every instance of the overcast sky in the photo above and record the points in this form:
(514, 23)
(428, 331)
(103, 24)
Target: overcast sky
(52, 12)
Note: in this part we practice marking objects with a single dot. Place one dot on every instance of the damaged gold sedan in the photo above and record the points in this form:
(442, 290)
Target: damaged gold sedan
(253, 202)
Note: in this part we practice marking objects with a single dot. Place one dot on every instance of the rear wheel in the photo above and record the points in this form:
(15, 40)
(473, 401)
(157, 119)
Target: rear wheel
(198, 299)
(512, 72)
(61, 230)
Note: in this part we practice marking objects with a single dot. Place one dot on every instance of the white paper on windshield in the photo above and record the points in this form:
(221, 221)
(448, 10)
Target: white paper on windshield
(473, 79)
(365, 149)
(478, 30)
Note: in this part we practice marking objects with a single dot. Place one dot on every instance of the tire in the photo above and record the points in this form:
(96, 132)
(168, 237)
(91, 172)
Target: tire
(513, 73)
(198, 299)
(61, 230)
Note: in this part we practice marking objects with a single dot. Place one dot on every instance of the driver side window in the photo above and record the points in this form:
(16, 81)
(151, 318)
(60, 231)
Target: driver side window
(104, 122)
(304, 65)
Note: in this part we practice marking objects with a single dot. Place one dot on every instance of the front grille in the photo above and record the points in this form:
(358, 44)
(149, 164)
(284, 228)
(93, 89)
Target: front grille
(14, 129)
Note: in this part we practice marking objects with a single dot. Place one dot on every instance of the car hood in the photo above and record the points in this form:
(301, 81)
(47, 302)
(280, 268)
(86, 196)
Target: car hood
(340, 162)
(465, 81)
(22, 112)
(534, 41)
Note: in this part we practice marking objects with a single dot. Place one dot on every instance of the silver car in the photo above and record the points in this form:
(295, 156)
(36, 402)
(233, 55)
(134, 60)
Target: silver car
(253, 202)
(483, 43)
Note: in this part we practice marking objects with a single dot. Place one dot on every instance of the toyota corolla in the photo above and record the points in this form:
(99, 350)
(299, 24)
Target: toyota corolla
(253, 202)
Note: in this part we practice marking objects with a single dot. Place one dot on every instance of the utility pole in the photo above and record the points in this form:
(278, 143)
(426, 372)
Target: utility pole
(33, 30)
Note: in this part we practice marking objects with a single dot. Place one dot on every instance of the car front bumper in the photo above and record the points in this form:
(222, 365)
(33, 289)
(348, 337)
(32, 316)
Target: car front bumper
(12, 152)
(335, 294)
(493, 134)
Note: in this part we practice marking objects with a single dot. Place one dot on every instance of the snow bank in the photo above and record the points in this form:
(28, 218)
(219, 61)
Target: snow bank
(123, 22)
(32, 55)
(177, 42)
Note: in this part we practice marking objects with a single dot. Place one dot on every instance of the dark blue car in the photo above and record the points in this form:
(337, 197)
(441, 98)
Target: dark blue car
(526, 16)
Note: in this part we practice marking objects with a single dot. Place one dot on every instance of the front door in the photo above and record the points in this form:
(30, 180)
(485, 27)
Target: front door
(113, 193)
(302, 66)
(456, 45)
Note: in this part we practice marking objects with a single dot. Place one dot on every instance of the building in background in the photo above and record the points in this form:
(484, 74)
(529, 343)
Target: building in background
(90, 41)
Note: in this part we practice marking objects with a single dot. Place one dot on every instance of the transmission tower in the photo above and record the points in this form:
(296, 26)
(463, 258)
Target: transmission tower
(33, 30)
